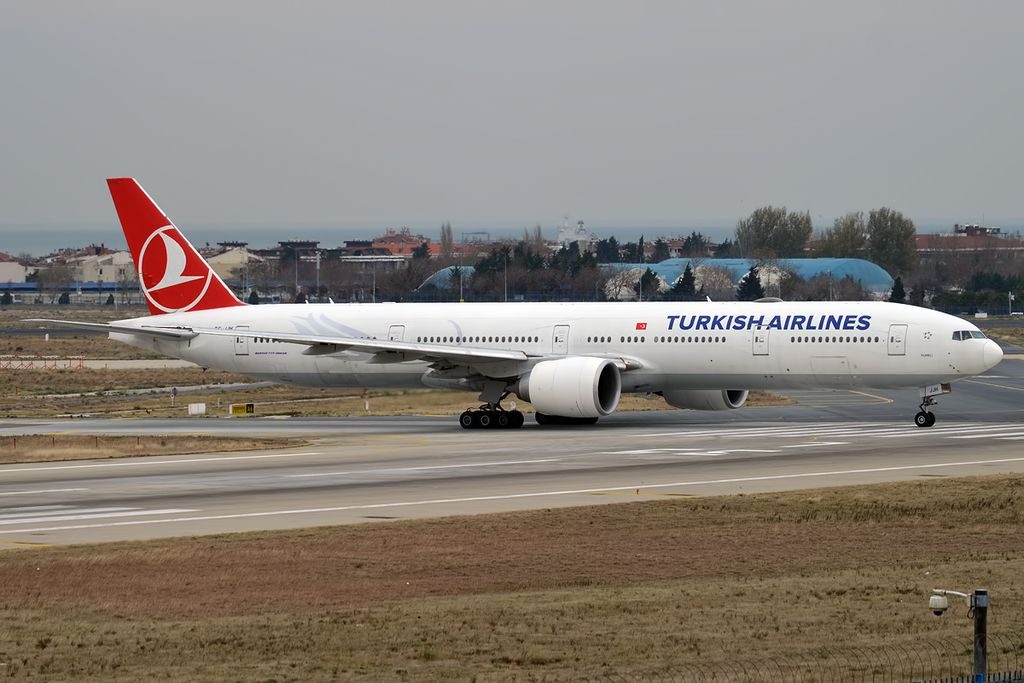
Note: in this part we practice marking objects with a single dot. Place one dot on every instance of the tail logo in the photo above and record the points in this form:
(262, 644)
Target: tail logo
(162, 271)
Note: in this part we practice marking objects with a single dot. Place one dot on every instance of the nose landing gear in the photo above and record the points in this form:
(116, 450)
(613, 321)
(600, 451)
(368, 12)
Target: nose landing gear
(925, 418)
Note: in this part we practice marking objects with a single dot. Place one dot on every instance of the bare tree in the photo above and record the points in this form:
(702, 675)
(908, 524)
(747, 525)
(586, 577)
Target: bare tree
(774, 232)
(847, 238)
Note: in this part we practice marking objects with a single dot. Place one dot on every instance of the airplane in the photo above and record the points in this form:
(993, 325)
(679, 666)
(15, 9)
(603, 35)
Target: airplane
(571, 361)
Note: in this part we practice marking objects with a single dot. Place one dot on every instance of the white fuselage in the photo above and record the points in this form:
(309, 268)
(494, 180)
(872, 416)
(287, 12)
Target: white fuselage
(676, 345)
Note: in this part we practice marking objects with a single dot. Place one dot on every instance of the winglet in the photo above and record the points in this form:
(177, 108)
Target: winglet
(173, 276)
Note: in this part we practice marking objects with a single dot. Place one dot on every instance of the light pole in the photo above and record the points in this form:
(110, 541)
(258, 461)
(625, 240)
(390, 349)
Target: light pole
(1009, 302)
(978, 603)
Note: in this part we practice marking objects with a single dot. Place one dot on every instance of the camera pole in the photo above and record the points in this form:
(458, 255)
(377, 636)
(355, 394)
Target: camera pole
(979, 608)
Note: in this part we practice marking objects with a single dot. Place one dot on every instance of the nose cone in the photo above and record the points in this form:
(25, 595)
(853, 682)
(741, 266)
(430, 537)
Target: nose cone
(993, 354)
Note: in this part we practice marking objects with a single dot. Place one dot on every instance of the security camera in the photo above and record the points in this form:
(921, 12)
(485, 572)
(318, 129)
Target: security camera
(938, 604)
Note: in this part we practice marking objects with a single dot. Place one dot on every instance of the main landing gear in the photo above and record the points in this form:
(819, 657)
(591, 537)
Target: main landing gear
(491, 416)
(925, 418)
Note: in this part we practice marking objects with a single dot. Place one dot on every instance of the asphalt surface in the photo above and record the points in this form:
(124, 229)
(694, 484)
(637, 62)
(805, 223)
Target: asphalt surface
(367, 469)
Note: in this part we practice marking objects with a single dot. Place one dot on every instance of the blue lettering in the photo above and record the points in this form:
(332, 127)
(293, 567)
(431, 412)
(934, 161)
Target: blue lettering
(739, 322)
(776, 323)
(672, 321)
(716, 323)
(833, 322)
(798, 322)
(848, 322)
(755, 322)
(702, 322)
(810, 323)
(686, 322)
(864, 322)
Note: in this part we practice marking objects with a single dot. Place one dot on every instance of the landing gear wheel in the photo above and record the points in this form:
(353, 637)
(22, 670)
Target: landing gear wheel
(542, 419)
(484, 419)
(501, 420)
(925, 418)
(466, 420)
(516, 419)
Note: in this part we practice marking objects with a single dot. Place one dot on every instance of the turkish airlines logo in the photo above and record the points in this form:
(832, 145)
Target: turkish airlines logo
(171, 274)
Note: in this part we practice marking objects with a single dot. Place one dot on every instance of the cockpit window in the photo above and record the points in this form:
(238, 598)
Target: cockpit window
(978, 334)
(956, 335)
(961, 335)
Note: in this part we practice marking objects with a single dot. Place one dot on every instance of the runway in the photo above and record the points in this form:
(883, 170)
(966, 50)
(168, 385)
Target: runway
(369, 469)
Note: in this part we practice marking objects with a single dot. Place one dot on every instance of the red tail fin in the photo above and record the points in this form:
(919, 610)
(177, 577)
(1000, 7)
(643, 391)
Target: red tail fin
(172, 274)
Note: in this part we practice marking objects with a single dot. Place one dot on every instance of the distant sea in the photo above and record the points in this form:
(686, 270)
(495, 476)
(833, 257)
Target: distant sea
(39, 240)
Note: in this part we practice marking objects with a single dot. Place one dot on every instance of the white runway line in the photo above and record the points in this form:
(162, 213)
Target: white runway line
(28, 493)
(1010, 431)
(145, 463)
(420, 469)
(514, 496)
(96, 513)
(65, 510)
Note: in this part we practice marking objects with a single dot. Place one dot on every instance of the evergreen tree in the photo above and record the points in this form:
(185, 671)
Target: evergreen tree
(660, 250)
(254, 297)
(7, 299)
(750, 287)
(649, 285)
(685, 288)
(898, 295)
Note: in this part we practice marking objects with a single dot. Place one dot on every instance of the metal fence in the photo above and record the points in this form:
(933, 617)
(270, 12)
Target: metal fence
(934, 661)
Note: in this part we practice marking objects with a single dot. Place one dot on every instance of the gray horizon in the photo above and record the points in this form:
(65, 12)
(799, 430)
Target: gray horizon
(390, 114)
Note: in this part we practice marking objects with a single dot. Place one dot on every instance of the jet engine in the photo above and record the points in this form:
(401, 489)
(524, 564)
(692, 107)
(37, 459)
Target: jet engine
(707, 400)
(577, 386)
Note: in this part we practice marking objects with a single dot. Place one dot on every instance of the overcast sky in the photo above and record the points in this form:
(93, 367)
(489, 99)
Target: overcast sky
(510, 113)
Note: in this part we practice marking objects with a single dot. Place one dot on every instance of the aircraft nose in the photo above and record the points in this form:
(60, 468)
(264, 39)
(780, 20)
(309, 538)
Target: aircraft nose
(993, 354)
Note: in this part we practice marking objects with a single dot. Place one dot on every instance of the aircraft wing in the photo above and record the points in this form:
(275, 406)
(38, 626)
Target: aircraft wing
(165, 332)
(386, 351)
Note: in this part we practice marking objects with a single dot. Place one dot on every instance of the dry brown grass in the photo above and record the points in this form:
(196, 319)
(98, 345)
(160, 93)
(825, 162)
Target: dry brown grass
(50, 447)
(1013, 335)
(572, 593)
(21, 384)
(20, 396)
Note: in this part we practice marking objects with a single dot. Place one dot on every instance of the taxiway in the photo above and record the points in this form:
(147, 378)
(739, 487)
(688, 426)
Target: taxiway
(367, 469)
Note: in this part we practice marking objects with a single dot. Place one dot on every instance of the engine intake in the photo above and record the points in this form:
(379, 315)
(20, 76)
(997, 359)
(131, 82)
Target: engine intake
(726, 399)
(578, 386)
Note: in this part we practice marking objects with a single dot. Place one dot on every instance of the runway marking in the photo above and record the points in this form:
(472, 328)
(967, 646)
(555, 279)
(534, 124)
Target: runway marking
(1013, 431)
(96, 513)
(993, 384)
(143, 463)
(420, 469)
(883, 399)
(24, 544)
(26, 493)
(817, 443)
(514, 496)
(65, 509)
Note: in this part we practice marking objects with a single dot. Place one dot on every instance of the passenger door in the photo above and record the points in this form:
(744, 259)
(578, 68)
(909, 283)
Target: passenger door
(560, 340)
(396, 333)
(241, 343)
(897, 340)
(760, 342)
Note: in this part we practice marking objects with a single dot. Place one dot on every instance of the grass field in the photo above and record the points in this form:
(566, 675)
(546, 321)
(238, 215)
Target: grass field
(565, 594)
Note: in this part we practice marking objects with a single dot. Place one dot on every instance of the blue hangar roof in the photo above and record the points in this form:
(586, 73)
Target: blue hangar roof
(871, 276)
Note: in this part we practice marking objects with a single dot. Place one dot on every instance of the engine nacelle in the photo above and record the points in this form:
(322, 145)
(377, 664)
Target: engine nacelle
(577, 386)
(707, 400)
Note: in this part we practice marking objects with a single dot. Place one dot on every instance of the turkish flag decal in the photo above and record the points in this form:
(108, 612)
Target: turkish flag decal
(641, 326)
